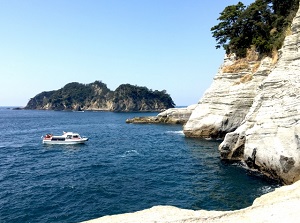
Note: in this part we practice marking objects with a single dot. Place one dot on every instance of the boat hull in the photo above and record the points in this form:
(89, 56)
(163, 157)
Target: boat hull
(67, 138)
(69, 142)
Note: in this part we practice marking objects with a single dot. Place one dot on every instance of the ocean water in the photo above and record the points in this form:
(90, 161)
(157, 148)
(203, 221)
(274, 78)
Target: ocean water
(122, 168)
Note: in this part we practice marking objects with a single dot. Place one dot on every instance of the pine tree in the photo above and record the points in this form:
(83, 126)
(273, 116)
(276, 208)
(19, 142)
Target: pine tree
(262, 24)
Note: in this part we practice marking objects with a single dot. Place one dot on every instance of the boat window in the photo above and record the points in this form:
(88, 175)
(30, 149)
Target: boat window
(58, 139)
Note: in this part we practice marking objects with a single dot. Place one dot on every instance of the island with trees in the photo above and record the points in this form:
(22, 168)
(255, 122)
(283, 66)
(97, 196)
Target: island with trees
(97, 96)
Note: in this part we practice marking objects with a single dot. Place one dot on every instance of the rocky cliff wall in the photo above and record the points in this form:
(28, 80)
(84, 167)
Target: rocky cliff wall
(228, 100)
(269, 138)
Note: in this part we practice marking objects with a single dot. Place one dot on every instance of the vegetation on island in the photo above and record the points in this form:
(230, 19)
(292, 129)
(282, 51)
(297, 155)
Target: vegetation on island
(262, 25)
(97, 96)
(129, 93)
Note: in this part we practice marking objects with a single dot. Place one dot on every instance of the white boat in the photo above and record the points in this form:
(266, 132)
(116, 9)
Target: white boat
(66, 138)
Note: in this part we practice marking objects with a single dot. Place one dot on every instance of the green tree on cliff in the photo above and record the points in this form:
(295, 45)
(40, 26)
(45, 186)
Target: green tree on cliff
(262, 24)
(227, 29)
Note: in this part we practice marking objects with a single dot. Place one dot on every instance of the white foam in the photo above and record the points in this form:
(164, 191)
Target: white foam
(266, 189)
(175, 132)
(129, 153)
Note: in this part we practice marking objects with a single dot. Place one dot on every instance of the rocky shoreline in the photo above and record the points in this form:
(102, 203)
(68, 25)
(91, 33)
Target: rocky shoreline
(281, 205)
(170, 116)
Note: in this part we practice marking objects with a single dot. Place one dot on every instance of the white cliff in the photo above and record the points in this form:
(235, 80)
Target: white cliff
(281, 205)
(228, 100)
(269, 138)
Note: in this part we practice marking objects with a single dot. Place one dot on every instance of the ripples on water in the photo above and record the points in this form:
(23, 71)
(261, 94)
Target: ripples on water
(122, 168)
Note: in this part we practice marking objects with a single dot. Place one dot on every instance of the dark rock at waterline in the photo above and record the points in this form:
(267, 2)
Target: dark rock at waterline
(170, 116)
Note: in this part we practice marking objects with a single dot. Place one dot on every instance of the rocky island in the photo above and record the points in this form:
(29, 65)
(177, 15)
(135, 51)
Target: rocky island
(98, 97)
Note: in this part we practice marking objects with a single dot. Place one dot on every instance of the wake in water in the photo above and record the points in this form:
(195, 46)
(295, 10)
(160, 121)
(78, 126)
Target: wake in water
(130, 153)
(175, 132)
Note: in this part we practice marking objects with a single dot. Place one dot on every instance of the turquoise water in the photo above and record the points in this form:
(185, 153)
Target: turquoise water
(122, 168)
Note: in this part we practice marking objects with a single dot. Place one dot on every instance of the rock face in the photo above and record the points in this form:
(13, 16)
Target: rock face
(228, 100)
(269, 138)
(281, 205)
(97, 97)
(170, 116)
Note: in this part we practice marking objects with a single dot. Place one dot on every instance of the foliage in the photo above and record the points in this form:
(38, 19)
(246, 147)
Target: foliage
(262, 24)
(136, 93)
(74, 95)
(226, 29)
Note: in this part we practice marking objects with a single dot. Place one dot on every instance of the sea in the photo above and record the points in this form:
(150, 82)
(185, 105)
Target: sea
(122, 168)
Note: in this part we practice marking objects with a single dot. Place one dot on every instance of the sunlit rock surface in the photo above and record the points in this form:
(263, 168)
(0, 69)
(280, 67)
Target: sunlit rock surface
(269, 138)
(229, 98)
(170, 116)
(281, 205)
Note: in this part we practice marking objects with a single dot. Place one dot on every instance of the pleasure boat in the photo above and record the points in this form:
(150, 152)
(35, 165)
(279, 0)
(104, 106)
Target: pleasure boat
(66, 138)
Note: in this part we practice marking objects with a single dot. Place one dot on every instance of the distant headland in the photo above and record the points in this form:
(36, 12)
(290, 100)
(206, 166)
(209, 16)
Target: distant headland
(97, 96)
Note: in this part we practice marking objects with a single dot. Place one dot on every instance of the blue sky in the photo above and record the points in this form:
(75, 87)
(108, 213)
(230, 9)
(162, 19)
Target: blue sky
(160, 44)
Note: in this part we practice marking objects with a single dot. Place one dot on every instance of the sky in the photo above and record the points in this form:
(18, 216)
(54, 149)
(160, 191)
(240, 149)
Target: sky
(160, 44)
